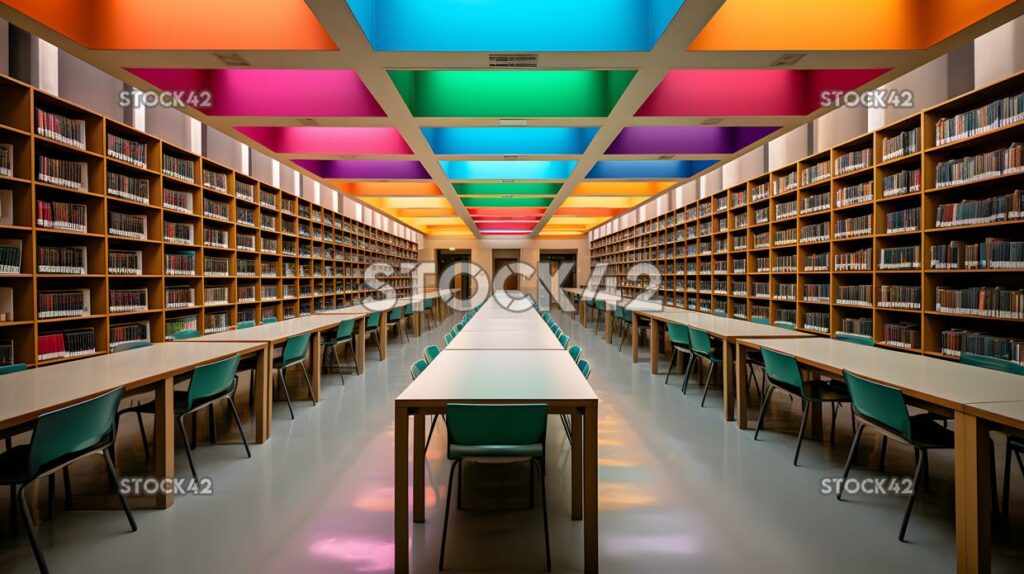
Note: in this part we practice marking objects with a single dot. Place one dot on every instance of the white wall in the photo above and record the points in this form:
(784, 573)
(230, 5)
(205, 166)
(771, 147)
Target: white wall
(224, 150)
(999, 53)
(929, 85)
(838, 126)
(788, 148)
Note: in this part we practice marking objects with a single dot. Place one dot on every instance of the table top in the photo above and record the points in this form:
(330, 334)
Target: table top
(348, 312)
(27, 394)
(725, 327)
(935, 380)
(512, 340)
(503, 324)
(274, 332)
(499, 376)
(1010, 414)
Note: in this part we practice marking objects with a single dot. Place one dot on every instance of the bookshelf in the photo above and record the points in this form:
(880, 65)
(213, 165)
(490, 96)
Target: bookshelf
(892, 234)
(125, 237)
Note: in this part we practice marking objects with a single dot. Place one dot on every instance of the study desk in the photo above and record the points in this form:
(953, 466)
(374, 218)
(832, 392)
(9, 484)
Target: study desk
(367, 309)
(26, 395)
(725, 329)
(498, 377)
(510, 340)
(979, 400)
(274, 334)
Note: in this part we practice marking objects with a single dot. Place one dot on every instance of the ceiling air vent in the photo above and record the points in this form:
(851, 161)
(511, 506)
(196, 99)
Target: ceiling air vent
(232, 60)
(308, 122)
(512, 60)
(787, 60)
(711, 121)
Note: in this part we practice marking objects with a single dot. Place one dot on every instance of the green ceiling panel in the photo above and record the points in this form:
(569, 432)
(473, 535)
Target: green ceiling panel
(511, 93)
(515, 189)
(506, 201)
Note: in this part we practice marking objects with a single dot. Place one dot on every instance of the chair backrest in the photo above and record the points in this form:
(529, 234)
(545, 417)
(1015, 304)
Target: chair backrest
(373, 320)
(760, 320)
(700, 342)
(627, 315)
(417, 368)
(498, 425)
(345, 329)
(720, 313)
(546, 316)
(77, 429)
(991, 363)
(782, 369)
(245, 325)
(678, 334)
(575, 351)
(212, 380)
(457, 328)
(408, 310)
(599, 304)
(295, 349)
(270, 319)
(786, 325)
(431, 353)
(428, 303)
(584, 366)
(186, 334)
(395, 314)
(448, 338)
(16, 367)
(856, 339)
(879, 404)
(617, 312)
(563, 339)
(132, 345)
(554, 328)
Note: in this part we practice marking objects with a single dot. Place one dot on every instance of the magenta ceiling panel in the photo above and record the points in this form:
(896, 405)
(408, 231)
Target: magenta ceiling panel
(749, 92)
(364, 169)
(275, 93)
(329, 140)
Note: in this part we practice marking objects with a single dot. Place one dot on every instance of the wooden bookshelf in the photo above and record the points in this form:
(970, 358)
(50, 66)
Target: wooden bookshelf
(752, 273)
(315, 258)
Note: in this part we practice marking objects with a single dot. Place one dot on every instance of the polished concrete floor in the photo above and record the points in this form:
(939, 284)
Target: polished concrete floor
(681, 491)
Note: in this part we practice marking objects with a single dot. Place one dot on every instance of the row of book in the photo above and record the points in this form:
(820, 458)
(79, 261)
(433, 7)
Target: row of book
(216, 266)
(901, 144)
(815, 173)
(998, 302)
(854, 295)
(268, 222)
(245, 216)
(245, 267)
(246, 293)
(215, 180)
(177, 297)
(816, 261)
(859, 260)
(129, 300)
(63, 172)
(245, 190)
(904, 335)
(62, 215)
(216, 295)
(131, 225)
(899, 297)
(69, 260)
(995, 163)
(981, 211)
(992, 253)
(63, 304)
(815, 202)
(124, 333)
(818, 321)
(127, 187)
(991, 116)
(957, 341)
(899, 258)
(175, 232)
(785, 315)
(10, 256)
(784, 183)
(854, 226)
(215, 209)
(245, 242)
(817, 292)
(268, 198)
(7, 159)
(782, 211)
(66, 344)
(785, 264)
(785, 236)
(68, 131)
(901, 183)
(179, 168)
(178, 200)
(213, 237)
(815, 232)
(853, 161)
(216, 322)
(180, 263)
(175, 325)
(903, 220)
(856, 326)
(124, 262)
(127, 150)
(785, 291)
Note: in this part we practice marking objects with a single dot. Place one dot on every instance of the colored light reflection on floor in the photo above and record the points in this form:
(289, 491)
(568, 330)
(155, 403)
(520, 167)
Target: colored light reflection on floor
(383, 499)
(360, 553)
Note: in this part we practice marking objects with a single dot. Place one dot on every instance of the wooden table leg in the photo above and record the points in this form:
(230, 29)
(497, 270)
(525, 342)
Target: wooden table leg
(576, 457)
(728, 389)
(401, 489)
(317, 356)
(418, 463)
(417, 323)
(261, 408)
(608, 315)
(382, 338)
(163, 429)
(973, 495)
(739, 389)
(590, 557)
(360, 344)
(655, 340)
(634, 337)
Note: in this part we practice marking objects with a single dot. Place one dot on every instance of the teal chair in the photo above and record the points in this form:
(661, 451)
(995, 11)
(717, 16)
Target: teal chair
(754, 360)
(209, 383)
(575, 351)
(245, 325)
(885, 409)
(563, 340)
(60, 438)
(15, 368)
(496, 433)
(269, 320)
(448, 338)
(4, 370)
(431, 353)
(855, 339)
(373, 328)
(428, 313)
(457, 328)
(783, 372)
(1014, 445)
(600, 307)
(407, 313)
(701, 347)
(395, 321)
(294, 353)
(679, 337)
(186, 334)
(417, 368)
(584, 366)
(343, 335)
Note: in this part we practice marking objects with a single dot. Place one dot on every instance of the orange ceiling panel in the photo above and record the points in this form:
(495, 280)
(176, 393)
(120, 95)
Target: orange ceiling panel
(588, 211)
(181, 24)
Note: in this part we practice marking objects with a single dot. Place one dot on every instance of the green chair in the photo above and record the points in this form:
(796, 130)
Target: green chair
(431, 353)
(575, 351)
(395, 321)
(754, 359)
(563, 340)
(457, 329)
(60, 438)
(344, 334)
(856, 339)
(783, 372)
(373, 328)
(209, 383)
(418, 367)
(15, 368)
(295, 350)
(186, 334)
(700, 346)
(407, 313)
(885, 409)
(269, 320)
(428, 313)
(679, 337)
(245, 325)
(1014, 445)
(642, 325)
(599, 307)
(584, 366)
(496, 434)
(448, 338)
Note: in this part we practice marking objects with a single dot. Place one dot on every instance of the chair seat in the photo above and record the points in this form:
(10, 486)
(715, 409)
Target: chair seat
(280, 364)
(927, 433)
(496, 451)
(14, 465)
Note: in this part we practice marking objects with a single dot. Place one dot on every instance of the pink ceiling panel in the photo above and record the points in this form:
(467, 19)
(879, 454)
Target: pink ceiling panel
(329, 140)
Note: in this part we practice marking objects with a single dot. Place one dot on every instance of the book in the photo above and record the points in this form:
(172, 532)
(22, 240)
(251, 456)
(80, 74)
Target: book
(63, 172)
(10, 256)
(6, 160)
(129, 225)
(71, 260)
(124, 333)
(61, 128)
(64, 303)
(126, 150)
(129, 300)
(127, 187)
(124, 262)
(179, 168)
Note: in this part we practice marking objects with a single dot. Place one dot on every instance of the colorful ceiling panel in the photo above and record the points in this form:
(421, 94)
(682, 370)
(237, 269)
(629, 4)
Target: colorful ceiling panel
(696, 140)
(507, 189)
(509, 141)
(383, 189)
(648, 169)
(364, 169)
(524, 25)
(329, 140)
(511, 93)
(645, 188)
(517, 170)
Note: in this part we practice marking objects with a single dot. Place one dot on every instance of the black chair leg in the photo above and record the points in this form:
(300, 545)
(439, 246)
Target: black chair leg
(26, 514)
(691, 360)
(112, 472)
(213, 424)
(800, 436)
(832, 433)
(913, 494)
(671, 364)
(195, 430)
(142, 433)
(287, 396)
(707, 384)
(1006, 480)
(544, 505)
(309, 384)
(188, 448)
(430, 435)
(881, 455)
(238, 422)
(51, 493)
(447, 509)
(764, 407)
(67, 486)
(849, 460)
